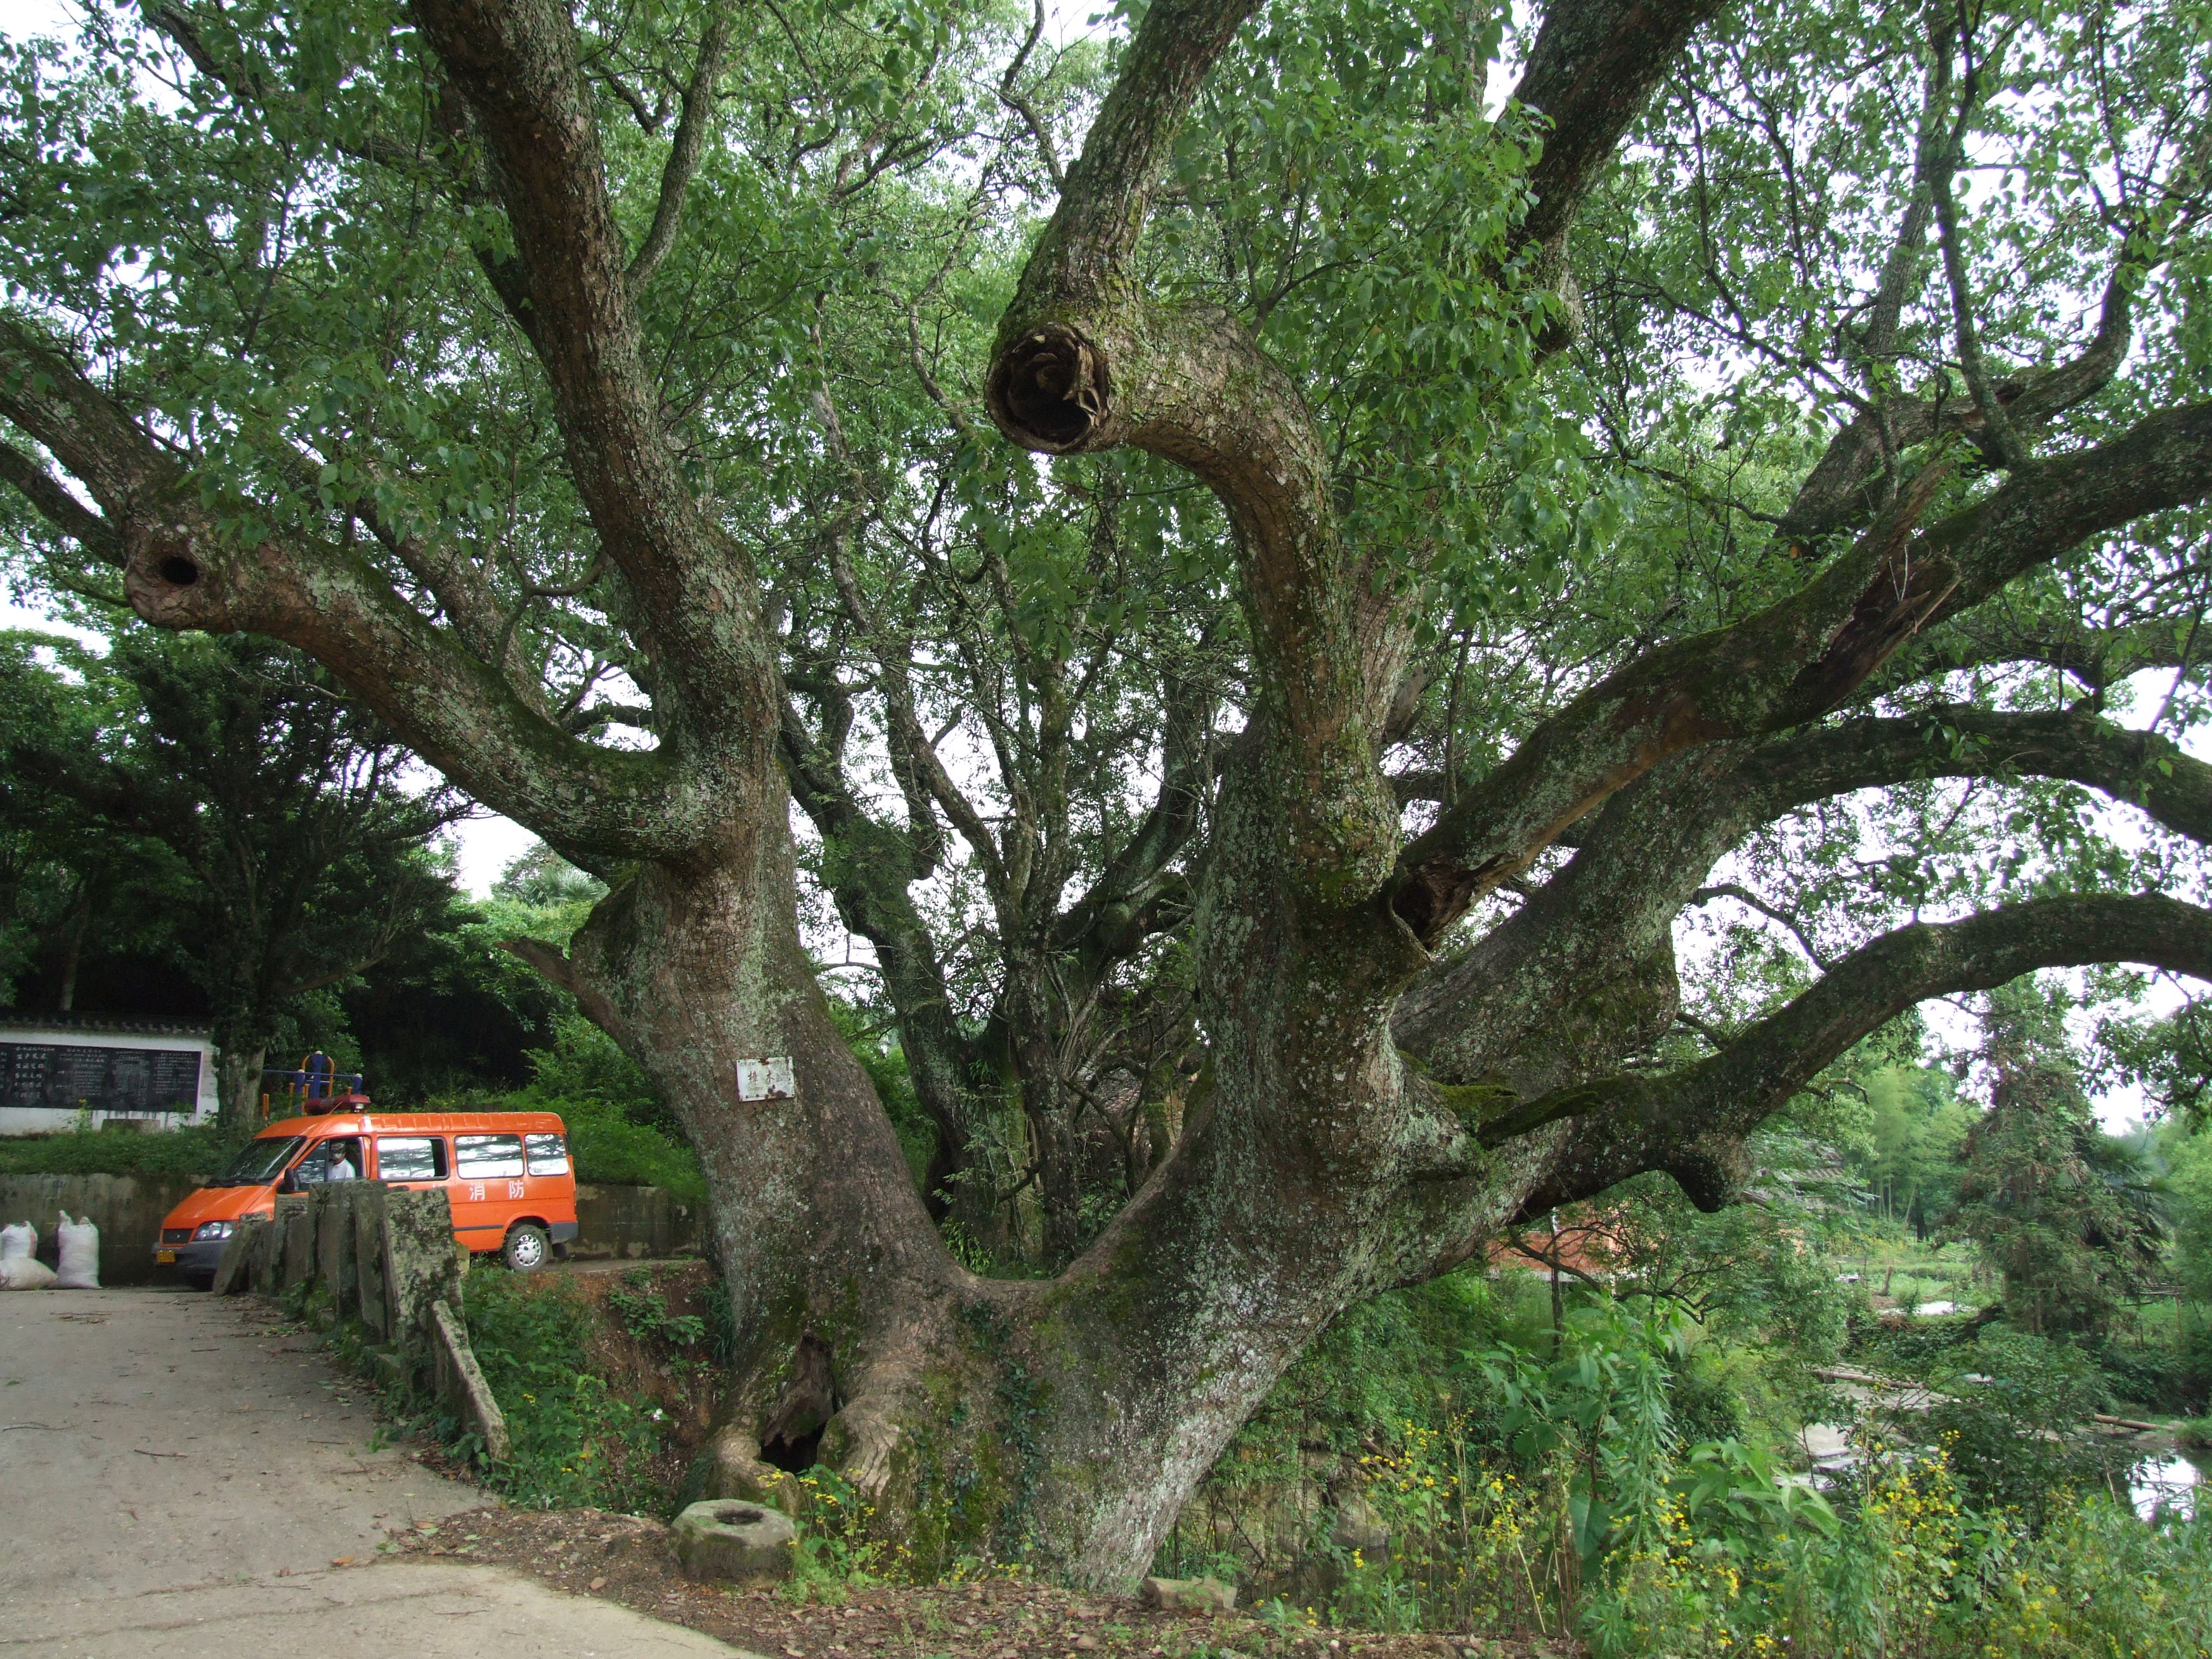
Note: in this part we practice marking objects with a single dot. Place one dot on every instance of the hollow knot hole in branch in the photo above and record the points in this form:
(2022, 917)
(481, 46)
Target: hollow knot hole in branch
(178, 571)
(1049, 391)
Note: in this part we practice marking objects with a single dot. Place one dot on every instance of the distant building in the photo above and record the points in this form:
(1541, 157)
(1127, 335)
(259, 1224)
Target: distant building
(151, 1073)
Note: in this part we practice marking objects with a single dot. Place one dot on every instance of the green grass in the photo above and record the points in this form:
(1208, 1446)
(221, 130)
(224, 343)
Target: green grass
(576, 1442)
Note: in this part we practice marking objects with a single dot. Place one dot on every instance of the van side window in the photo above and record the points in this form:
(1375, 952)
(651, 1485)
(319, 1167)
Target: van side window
(410, 1158)
(477, 1157)
(314, 1169)
(548, 1154)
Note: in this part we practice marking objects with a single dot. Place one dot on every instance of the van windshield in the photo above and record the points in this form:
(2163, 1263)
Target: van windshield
(259, 1162)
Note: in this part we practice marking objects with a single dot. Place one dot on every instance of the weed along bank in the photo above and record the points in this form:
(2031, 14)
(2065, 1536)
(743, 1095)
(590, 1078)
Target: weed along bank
(506, 1177)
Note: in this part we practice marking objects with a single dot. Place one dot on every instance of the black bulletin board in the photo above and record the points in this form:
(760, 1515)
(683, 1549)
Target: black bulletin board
(67, 1076)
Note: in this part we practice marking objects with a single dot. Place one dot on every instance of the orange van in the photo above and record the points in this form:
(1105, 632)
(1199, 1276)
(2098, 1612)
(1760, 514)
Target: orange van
(506, 1173)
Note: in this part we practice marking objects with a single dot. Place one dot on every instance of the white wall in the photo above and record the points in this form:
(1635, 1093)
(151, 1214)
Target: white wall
(35, 1120)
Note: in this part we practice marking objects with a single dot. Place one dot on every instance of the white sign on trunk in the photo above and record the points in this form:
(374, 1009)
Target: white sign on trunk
(766, 1079)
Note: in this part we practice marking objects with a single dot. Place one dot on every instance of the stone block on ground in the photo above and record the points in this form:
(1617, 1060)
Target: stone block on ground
(332, 1208)
(297, 1256)
(1189, 1595)
(233, 1268)
(369, 1299)
(741, 1543)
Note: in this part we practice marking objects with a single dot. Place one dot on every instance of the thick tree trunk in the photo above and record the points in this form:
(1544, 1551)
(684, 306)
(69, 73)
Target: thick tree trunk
(1064, 1422)
(1277, 1210)
(824, 1245)
(74, 927)
(72, 956)
(237, 1062)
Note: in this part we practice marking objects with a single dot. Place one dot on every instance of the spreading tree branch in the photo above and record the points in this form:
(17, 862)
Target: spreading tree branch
(182, 569)
(692, 128)
(53, 503)
(1798, 658)
(1023, 106)
(1595, 65)
(1691, 1123)
(697, 602)
(1646, 855)
(1961, 740)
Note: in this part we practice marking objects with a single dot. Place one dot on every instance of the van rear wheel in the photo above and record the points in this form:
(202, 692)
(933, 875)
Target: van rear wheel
(528, 1248)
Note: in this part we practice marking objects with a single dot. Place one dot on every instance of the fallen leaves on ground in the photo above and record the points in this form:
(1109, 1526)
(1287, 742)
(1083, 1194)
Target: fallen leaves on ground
(630, 1558)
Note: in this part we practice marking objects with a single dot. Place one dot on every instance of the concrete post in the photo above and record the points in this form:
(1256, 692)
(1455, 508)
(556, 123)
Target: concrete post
(422, 1268)
(334, 1247)
(268, 1252)
(368, 1201)
(233, 1269)
(297, 1223)
(460, 1382)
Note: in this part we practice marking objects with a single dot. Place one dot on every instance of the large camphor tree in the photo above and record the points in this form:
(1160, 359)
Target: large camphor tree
(1483, 523)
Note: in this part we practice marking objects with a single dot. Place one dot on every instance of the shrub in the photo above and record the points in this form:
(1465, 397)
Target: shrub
(2164, 1379)
(2018, 1402)
(1904, 1566)
(585, 1063)
(197, 1151)
(1707, 1405)
(2097, 1580)
(574, 1443)
(836, 1551)
(609, 1148)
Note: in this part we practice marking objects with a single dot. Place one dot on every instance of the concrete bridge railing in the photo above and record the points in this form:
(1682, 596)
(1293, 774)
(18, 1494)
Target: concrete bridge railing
(384, 1256)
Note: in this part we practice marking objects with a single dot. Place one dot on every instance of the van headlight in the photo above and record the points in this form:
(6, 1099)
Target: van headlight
(215, 1230)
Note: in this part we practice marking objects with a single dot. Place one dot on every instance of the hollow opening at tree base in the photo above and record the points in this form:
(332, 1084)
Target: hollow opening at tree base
(793, 1453)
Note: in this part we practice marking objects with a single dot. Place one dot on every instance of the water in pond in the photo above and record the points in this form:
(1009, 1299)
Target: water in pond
(2166, 1481)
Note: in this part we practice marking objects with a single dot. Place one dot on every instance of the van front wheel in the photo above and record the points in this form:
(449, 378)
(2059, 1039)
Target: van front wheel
(528, 1248)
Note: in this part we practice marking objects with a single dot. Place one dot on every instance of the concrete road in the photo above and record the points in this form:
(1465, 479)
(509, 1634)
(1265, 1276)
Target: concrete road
(177, 1477)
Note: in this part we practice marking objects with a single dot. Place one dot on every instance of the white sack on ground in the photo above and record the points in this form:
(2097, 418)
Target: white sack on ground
(18, 1240)
(20, 1272)
(80, 1245)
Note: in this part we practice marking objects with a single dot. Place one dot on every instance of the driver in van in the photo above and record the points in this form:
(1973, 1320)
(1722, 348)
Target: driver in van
(330, 1160)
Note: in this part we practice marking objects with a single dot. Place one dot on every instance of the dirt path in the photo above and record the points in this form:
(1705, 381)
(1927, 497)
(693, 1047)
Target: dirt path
(179, 1475)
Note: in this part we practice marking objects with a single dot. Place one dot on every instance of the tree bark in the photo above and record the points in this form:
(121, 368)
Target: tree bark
(73, 927)
(238, 1063)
